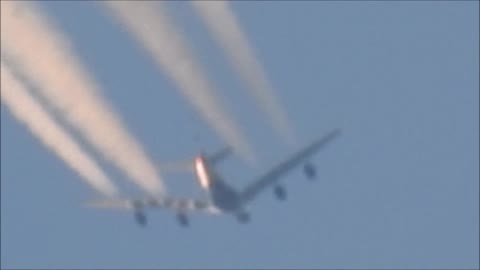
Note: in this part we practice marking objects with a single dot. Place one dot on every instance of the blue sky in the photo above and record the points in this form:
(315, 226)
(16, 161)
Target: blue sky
(399, 189)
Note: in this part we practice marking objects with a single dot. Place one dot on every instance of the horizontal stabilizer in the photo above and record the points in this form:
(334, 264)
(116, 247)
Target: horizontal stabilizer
(189, 167)
(220, 155)
(176, 167)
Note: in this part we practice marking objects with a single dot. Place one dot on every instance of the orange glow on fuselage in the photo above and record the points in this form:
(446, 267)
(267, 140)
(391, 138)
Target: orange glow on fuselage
(202, 173)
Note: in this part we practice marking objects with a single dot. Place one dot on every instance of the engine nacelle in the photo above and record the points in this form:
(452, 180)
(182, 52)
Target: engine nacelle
(183, 219)
(280, 193)
(310, 171)
(243, 217)
(140, 217)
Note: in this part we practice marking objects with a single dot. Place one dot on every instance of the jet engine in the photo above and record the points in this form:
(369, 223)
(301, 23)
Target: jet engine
(183, 219)
(140, 217)
(243, 217)
(310, 171)
(280, 193)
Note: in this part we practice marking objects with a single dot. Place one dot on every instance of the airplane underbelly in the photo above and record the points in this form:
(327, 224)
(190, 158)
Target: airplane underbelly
(227, 202)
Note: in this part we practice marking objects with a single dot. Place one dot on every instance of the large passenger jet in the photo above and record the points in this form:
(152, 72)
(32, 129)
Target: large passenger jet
(222, 198)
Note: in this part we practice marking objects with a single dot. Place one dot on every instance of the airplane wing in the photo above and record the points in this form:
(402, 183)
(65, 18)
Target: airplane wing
(273, 175)
(175, 204)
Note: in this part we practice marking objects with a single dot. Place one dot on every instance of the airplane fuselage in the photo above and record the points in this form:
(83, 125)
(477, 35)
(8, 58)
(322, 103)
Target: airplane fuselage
(222, 195)
(223, 198)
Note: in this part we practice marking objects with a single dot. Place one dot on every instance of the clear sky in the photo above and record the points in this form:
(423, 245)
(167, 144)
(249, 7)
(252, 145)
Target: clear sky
(399, 189)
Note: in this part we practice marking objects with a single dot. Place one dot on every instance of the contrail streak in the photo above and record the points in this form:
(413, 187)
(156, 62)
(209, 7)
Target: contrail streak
(29, 112)
(225, 29)
(44, 55)
(150, 25)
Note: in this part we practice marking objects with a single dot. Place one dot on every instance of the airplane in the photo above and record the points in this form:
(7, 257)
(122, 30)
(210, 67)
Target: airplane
(222, 198)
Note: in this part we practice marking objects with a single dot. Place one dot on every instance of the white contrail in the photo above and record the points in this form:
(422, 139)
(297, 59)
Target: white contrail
(226, 30)
(150, 24)
(46, 58)
(29, 112)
